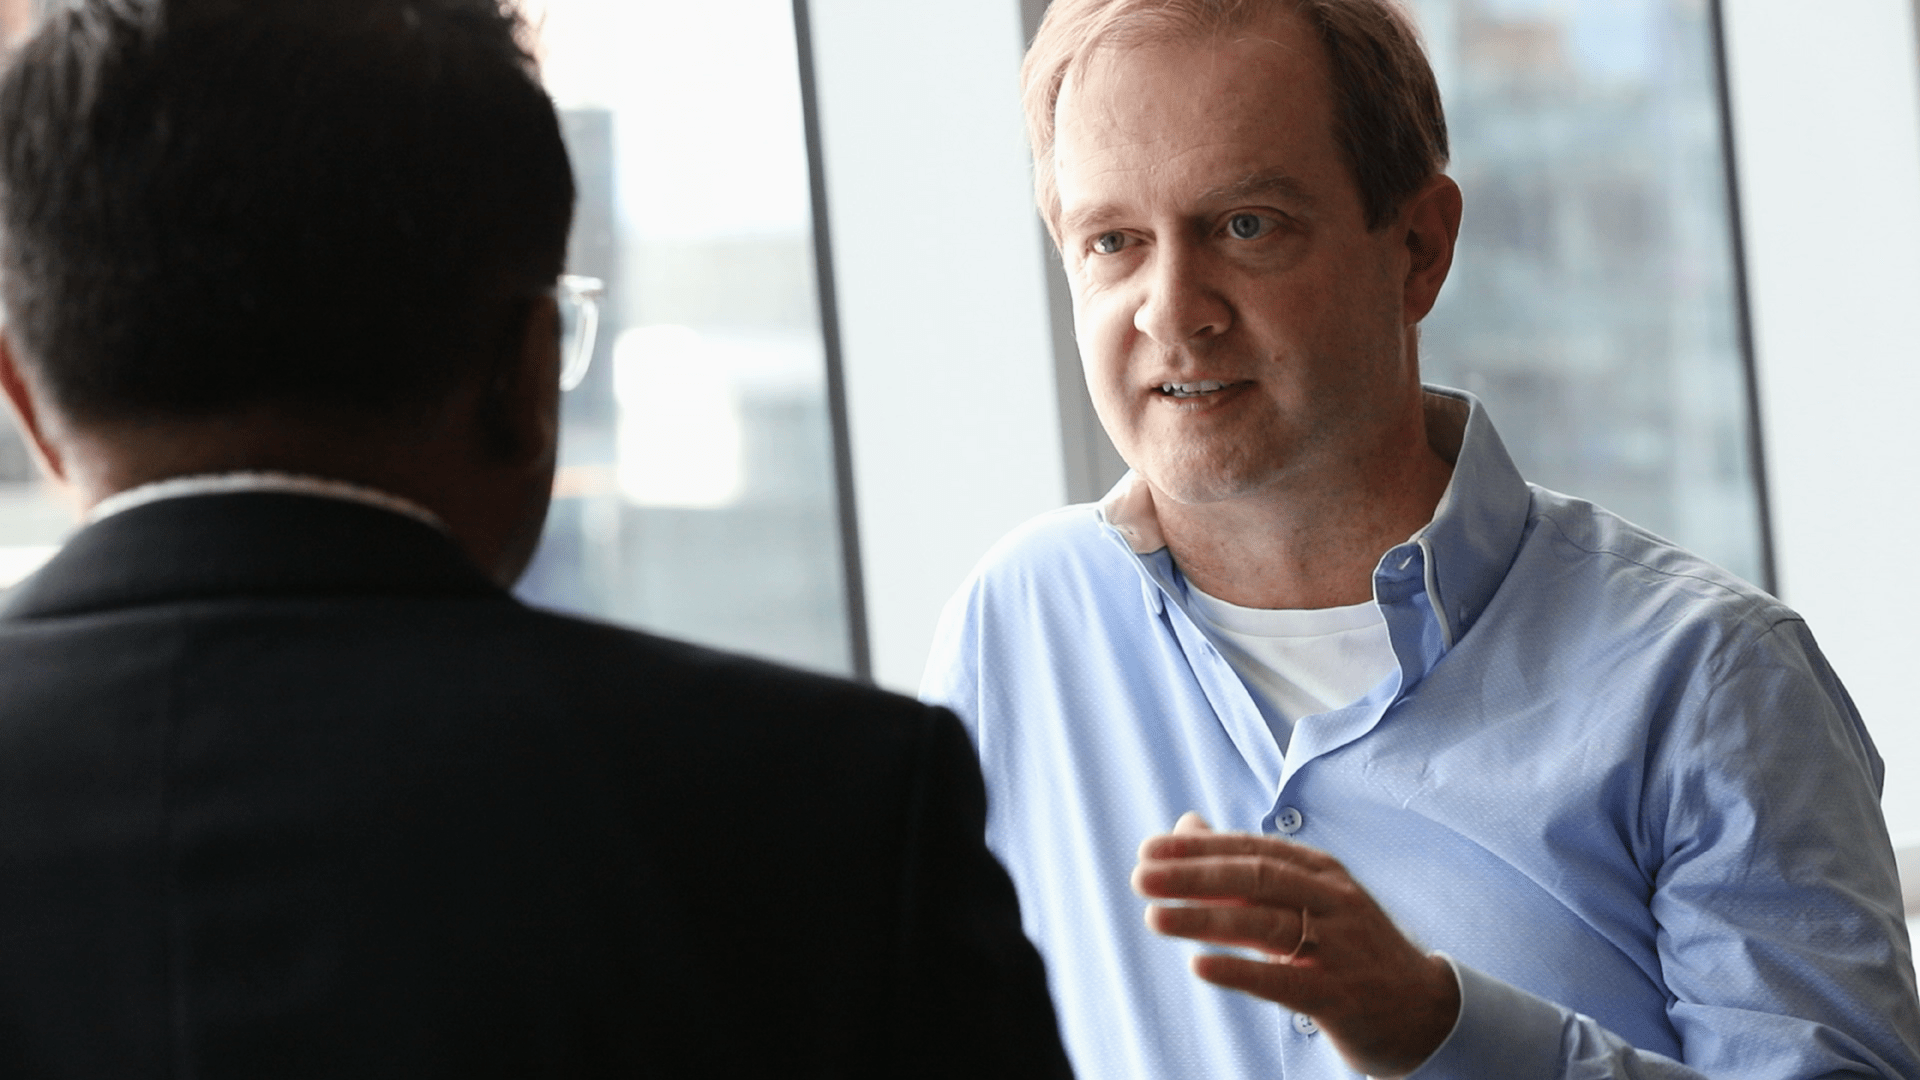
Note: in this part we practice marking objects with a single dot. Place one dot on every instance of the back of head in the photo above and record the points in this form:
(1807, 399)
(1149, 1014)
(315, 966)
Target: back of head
(1388, 118)
(318, 206)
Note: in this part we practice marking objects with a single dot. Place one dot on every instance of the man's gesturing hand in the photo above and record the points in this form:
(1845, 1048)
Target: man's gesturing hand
(1331, 952)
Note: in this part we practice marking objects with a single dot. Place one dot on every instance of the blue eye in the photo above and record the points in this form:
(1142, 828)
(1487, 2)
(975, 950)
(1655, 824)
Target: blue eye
(1108, 243)
(1246, 226)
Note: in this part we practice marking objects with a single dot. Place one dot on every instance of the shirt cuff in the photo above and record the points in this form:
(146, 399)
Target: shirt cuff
(1502, 1033)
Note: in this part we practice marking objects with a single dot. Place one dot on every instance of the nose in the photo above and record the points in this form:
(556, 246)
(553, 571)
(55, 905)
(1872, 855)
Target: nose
(1181, 305)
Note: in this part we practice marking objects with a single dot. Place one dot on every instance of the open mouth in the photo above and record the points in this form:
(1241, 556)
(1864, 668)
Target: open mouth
(1192, 389)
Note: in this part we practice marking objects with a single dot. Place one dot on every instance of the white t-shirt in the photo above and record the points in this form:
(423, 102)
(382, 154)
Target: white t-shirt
(1298, 662)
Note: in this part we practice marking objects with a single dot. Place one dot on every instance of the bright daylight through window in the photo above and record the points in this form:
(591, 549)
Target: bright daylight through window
(1593, 302)
(695, 494)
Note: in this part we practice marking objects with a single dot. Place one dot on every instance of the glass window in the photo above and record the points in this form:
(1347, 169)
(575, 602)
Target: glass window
(695, 493)
(1593, 302)
(696, 489)
(34, 515)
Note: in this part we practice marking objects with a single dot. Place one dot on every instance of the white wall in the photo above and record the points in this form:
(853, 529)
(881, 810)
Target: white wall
(1826, 100)
(946, 343)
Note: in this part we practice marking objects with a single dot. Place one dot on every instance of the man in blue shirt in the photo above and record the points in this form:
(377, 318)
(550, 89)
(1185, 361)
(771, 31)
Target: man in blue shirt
(1506, 786)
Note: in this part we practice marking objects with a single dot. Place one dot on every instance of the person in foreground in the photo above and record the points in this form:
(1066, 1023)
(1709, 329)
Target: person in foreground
(1399, 700)
(291, 786)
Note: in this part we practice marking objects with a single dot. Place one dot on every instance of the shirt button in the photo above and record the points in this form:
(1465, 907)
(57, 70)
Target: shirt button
(1289, 820)
(1304, 1024)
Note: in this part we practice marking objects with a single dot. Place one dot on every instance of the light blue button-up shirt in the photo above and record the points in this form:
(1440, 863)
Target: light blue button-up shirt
(1618, 786)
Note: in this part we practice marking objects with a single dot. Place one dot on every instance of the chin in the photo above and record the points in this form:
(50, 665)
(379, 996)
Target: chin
(1198, 487)
(1198, 478)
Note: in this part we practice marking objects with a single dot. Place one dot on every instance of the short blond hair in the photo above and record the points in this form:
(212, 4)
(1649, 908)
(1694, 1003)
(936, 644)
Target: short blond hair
(1387, 120)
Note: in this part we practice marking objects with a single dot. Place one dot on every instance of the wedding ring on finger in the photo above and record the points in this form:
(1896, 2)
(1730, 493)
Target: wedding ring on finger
(1306, 939)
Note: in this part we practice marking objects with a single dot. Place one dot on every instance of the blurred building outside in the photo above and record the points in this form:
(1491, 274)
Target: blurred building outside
(1593, 302)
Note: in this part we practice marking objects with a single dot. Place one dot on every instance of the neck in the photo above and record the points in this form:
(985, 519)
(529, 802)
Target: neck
(1312, 541)
(256, 480)
(487, 506)
(104, 460)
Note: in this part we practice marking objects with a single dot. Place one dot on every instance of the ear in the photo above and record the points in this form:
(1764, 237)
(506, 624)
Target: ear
(508, 488)
(1432, 224)
(29, 409)
(522, 410)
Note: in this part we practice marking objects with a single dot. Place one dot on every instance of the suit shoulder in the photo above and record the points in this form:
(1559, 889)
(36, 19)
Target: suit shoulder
(649, 667)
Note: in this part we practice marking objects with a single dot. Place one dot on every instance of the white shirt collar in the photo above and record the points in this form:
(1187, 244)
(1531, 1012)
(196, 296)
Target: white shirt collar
(180, 487)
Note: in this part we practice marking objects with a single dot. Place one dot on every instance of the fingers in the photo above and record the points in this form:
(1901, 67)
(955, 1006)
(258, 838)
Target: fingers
(1191, 822)
(1332, 952)
(1195, 863)
(1318, 884)
(1247, 879)
(1273, 982)
(1205, 842)
(1274, 931)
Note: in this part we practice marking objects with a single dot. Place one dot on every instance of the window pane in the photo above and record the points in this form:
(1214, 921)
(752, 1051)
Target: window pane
(696, 492)
(695, 495)
(34, 516)
(1592, 301)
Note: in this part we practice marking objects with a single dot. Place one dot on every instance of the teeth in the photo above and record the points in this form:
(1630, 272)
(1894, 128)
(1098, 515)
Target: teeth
(1191, 389)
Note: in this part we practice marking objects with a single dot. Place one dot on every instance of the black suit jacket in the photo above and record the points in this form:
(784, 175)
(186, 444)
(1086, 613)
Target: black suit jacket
(288, 789)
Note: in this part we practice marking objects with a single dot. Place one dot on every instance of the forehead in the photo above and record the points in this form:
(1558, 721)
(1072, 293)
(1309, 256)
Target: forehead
(1186, 116)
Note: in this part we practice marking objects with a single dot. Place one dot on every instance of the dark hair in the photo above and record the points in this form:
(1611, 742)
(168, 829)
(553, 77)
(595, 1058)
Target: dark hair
(337, 205)
(1387, 115)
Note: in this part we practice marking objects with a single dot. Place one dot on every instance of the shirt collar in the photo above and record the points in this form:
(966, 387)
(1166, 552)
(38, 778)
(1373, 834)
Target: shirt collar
(1128, 510)
(1477, 528)
(1464, 551)
(181, 487)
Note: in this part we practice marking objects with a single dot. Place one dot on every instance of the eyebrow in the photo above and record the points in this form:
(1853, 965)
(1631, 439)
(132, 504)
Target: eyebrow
(1080, 220)
(1272, 183)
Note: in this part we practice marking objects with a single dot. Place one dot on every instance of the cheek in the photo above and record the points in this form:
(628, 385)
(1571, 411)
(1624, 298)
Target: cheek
(1103, 328)
(1333, 312)
(1376, 296)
